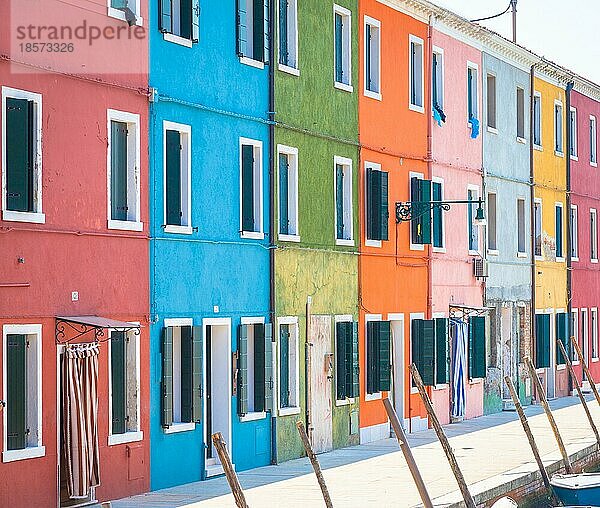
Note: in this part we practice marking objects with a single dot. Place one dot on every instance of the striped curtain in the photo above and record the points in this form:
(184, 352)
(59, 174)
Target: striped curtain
(80, 419)
(459, 333)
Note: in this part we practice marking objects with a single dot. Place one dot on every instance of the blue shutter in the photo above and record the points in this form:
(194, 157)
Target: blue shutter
(16, 390)
(284, 228)
(242, 374)
(165, 18)
(339, 56)
(118, 381)
(173, 183)
(197, 361)
(242, 28)
(185, 19)
(258, 30)
(283, 32)
(167, 378)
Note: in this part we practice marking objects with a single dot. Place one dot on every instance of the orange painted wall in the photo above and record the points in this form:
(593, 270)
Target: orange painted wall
(392, 279)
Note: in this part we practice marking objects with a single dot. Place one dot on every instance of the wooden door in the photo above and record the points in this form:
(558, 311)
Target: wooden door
(321, 373)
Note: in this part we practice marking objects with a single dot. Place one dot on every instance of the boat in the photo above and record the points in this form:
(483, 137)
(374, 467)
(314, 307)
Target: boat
(577, 489)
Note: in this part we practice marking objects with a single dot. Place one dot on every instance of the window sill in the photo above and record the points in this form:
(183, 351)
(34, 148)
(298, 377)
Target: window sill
(476, 381)
(343, 86)
(473, 252)
(288, 411)
(539, 258)
(521, 254)
(373, 243)
(120, 15)
(493, 252)
(289, 70)
(415, 108)
(594, 164)
(373, 95)
(574, 362)
(561, 366)
(373, 396)
(492, 130)
(439, 250)
(560, 260)
(344, 402)
(252, 417)
(175, 39)
(252, 235)
(440, 387)
(417, 246)
(593, 261)
(559, 154)
(574, 158)
(594, 360)
(180, 427)
(126, 437)
(26, 453)
(575, 258)
(12, 216)
(414, 390)
(539, 148)
(251, 62)
(125, 225)
(180, 230)
(289, 238)
(523, 141)
(344, 243)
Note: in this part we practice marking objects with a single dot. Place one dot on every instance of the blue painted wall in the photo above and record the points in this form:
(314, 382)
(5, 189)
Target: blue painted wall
(207, 87)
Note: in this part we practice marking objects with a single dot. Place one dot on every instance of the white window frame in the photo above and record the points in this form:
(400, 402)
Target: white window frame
(120, 15)
(537, 125)
(558, 204)
(376, 167)
(36, 449)
(575, 330)
(346, 318)
(538, 201)
(496, 251)
(252, 415)
(348, 199)
(476, 190)
(441, 77)
(419, 108)
(37, 216)
(133, 169)
(368, 319)
(258, 233)
(594, 342)
(347, 43)
(374, 24)
(128, 436)
(290, 69)
(492, 130)
(292, 154)
(594, 141)
(413, 316)
(420, 176)
(574, 220)
(442, 249)
(594, 236)
(473, 67)
(522, 253)
(561, 152)
(293, 410)
(573, 132)
(186, 176)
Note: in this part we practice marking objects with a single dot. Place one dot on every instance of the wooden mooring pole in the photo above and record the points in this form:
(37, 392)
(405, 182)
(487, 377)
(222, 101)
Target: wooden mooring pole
(579, 392)
(544, 402)
(460, 479)
(408, 456)
(315, 464)
(232, 479)
(585, 368)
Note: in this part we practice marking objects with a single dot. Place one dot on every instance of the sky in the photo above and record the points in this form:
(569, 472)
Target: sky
(564, 31)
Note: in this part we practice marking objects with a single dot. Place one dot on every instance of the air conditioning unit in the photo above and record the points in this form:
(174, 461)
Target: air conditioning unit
(480, 268)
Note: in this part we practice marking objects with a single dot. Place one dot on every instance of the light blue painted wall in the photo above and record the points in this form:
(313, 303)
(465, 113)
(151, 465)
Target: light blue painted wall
(222, 99)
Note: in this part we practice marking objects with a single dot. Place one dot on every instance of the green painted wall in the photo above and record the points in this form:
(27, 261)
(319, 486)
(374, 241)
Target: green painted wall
(321, 122)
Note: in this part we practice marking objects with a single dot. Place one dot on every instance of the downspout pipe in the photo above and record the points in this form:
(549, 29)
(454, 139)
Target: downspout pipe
(570, 142)
(532, 209)
(429, 153)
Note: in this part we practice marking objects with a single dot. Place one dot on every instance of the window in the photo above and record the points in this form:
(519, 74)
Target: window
(562, 335)
(537, 119)
(575, 334)
(124, 171)
(126, 10)
(178, 167)
(542, 341)
(558, 231)
(181, 375)
(477, 348)
(573, 133)
(437, 215)
(430, 351)
(437, 83)
(288, 35)
(593, 141)
(420, 194)
(584, 334)
(558, 128)
(251, 196)
(289, 370)
(473, 197)
(346, 365)
(593, 235)
(574, 234)
(594, 327)
(343, 201)
(253, 31)
(376, 204)
(520, 113)
(491, 102)
(472, 98)
(255, 367)
(521, 236)
(372, 58)
(179, 21)
(22, 156)
(343, 47)
(22, 391)
(378, 355)
(538, 227)
(416, 73)
(288, 193)
(124, 387)
(492, 233)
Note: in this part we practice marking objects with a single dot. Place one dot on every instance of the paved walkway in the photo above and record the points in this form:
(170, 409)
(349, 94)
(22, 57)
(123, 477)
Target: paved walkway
(489, 450)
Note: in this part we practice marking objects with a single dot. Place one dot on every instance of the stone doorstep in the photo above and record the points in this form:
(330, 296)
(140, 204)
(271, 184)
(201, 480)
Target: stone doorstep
(519, 478)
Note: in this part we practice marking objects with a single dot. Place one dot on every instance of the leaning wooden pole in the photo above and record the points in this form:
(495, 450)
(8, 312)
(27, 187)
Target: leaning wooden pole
(315, 463)
(232, 479)
(585, 368)
(460, 479)
(408, 456)
(544, 402)
(579, 392)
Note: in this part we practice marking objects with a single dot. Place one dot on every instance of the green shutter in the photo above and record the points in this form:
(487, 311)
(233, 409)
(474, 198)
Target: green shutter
(242, 28)
(259, 367)
(562, 334)
(268, 376)
(118, 374)
(426, 218)
(341, 356)
(385, 336)
(118, 171)
(373, 204)
(16, 390)
(477, 354)
(186, 373)
(258, 31)
(436, 191)
(173, 183)
(247, 188)
(559, 232)
(185, 19)
(339, 200)
(284, 365)
(423, 349)
(20, 149)
(421, 198)
(416, 344)
(353, 384)
(542, 341)
(197, 361)
(383, 206)
(283, 32)
(242, 376)
(339, 56)
(442, 352)
(284, 228)
(167, 378)
(372, 360)
(165, 18)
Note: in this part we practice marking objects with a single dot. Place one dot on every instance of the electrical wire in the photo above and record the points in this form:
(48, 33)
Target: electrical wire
(495, 16)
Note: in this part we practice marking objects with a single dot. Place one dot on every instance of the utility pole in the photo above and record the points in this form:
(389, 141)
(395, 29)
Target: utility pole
(513, 4)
